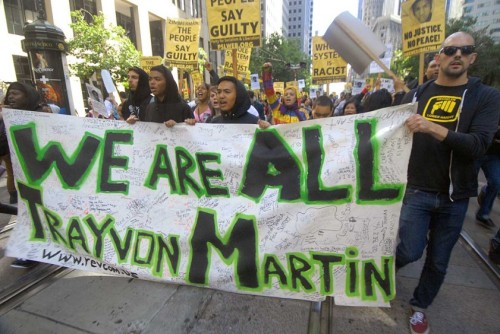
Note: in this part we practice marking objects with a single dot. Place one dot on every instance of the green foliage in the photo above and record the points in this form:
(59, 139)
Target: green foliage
(404, 66)
(98, 46)
(280, 51)
(202, 59)
(486, 66)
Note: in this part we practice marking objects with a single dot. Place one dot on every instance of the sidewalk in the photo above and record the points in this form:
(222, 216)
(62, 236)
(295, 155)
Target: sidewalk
(82, 302)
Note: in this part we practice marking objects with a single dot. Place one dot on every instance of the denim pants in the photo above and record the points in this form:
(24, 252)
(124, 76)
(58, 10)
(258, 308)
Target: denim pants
(490, 164)
(433, 220)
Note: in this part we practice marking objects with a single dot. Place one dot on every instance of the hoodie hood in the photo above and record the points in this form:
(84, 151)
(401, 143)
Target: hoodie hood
(142, 92)
(242, 103)
(172, 93)
(33, 98)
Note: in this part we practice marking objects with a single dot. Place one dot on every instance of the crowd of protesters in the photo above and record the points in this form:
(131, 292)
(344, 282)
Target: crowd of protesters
(444, 163)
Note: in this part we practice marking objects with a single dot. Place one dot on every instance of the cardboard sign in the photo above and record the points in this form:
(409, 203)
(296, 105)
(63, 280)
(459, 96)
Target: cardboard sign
(423, 25)
(353, 41)
(233, 24)
(243, 58)
(279, 87)
(254, 82)
(328, 66)
(147, 63)
(182, 43)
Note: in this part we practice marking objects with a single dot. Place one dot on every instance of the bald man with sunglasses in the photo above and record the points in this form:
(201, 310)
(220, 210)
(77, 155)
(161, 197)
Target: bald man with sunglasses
(456, 120)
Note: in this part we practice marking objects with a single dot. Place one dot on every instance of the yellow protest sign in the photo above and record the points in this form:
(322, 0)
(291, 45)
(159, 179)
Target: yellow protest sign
(328, 66)
(279, 87)
(243, 58)
(292, 84)
(148, 62)
(233, 24)
(197, 78)
(423, 24)
(182, 43)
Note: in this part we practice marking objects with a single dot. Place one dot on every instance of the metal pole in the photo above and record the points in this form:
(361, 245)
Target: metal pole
(314, 318)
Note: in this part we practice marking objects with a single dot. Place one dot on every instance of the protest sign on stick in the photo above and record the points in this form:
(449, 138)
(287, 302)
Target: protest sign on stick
(354, 42)
(233, 24)
(182, 46)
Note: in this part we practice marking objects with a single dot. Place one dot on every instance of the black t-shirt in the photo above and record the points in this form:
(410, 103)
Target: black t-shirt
(430, 159)
(162, 112)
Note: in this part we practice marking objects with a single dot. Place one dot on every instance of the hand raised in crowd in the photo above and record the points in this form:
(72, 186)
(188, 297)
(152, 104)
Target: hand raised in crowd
(399, 85)
(267, 65)
(208, 66)
(378, 82)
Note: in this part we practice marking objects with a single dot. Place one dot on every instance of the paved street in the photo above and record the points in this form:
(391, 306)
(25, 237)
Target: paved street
(82, 302)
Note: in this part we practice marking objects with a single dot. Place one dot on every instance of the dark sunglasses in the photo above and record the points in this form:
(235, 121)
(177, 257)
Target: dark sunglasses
(451, 50)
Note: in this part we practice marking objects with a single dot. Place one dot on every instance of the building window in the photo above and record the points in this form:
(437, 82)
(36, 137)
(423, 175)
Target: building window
(181, 4)
(18, 13)
(127, 23)
(194, 8)
(22, 67)
(156, 32)
(87, 7)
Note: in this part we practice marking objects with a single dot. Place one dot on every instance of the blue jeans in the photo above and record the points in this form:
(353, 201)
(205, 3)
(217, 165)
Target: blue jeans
(429, 220)
(490, 164)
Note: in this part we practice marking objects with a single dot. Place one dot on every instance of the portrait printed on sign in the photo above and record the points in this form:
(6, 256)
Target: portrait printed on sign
(423, 24)
(422, 10)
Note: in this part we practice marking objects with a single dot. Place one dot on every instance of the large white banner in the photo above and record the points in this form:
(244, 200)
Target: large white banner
(302, 211)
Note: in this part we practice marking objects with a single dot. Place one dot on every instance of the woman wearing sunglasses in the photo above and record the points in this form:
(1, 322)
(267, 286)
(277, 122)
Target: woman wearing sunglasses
(455, 123)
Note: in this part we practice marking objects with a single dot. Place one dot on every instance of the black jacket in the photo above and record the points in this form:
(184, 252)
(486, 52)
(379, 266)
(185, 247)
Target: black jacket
(477, 124)
(239, 113)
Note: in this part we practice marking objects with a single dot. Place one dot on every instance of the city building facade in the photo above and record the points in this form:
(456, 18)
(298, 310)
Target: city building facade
(487, 14)
(299, 25)
(144, 22)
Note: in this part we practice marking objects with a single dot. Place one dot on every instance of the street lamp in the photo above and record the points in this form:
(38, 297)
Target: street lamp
(296, 67)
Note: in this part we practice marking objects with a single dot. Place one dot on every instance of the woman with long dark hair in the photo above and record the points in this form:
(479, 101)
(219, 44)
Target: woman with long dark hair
(139, 93)
(167, 107)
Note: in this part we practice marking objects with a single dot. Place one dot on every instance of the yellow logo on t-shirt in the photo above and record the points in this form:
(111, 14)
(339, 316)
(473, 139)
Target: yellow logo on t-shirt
(442, 109)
